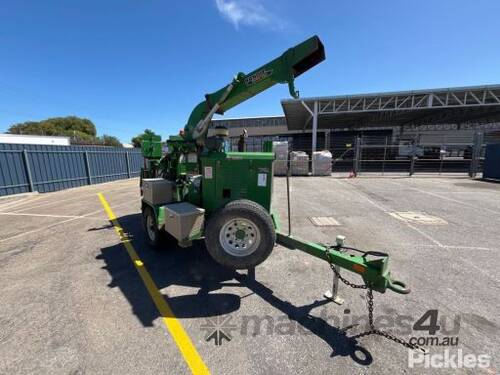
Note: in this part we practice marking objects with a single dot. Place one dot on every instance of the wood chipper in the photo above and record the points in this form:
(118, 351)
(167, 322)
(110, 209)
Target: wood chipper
(200, 190)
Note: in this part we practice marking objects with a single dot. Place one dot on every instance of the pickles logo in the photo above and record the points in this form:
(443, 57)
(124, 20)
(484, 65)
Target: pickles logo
(448, 360)
(218, 329)
(258, 76)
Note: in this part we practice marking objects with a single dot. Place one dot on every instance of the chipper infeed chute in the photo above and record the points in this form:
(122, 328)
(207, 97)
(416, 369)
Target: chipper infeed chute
(284, 69)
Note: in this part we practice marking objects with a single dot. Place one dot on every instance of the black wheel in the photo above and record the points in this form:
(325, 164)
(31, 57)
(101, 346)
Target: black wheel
(150, 227)
(240, 235)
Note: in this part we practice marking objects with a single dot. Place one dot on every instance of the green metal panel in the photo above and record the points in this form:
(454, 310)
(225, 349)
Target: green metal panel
(276, 221)
(250, 155)
(236, 175)
(267, 146)
(187, 168)
(151, 147)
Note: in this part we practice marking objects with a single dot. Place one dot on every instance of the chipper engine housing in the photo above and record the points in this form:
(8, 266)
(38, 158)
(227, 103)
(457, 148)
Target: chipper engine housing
(228, 176)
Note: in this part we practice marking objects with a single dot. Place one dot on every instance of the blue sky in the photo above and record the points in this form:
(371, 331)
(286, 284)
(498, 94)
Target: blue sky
(134, 64)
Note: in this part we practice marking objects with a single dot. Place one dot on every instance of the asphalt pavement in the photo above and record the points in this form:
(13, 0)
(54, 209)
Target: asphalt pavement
(72, 300)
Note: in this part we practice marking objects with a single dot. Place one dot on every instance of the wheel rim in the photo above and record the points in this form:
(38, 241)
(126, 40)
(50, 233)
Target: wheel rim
(239, 237)
(150, 227)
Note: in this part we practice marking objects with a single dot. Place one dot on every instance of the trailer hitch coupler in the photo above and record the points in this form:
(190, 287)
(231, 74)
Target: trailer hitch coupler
(398, 287)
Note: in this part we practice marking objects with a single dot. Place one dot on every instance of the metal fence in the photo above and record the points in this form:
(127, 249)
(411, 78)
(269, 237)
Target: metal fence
(44, 168)
(372, 155)
(385, 154)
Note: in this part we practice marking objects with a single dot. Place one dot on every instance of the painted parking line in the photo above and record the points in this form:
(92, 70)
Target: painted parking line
(465, 204)
(181, 338)
(45, 215)
(356, 191)
(41, 229)
(23, 234)
(20, 202)
(58, 199)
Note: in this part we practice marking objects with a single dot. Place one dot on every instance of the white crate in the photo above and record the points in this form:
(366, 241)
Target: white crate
(322, 161)
(299, 162)
(281, 153)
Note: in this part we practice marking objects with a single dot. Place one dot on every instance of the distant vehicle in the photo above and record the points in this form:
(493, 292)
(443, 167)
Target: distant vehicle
(407, 149)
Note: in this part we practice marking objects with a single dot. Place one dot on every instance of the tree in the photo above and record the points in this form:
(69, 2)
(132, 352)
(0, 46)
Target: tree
(80, 130)
(137, 140)
(109, 140)
(70, 126)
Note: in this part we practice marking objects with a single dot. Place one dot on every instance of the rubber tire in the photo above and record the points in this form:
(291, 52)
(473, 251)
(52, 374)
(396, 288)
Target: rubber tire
(248, 210)
(148, 211)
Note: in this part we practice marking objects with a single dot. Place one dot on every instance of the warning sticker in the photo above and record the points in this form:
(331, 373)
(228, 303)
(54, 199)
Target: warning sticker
(208, 173)
(262, 179)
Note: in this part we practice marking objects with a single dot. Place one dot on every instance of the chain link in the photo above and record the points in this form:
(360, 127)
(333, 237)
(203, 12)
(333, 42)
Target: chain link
(345, 281)
(369, 302)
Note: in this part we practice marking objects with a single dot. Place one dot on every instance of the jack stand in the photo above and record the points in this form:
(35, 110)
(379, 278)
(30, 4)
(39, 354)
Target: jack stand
(332, 294)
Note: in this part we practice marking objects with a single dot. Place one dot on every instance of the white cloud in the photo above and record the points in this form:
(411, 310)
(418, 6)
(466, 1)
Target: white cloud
(247, 12)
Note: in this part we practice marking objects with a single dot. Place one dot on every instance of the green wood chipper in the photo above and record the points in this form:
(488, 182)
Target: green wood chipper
(199, 190)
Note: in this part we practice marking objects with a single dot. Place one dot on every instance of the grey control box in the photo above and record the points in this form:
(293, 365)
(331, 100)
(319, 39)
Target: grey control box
(184, 220)
(158, 190)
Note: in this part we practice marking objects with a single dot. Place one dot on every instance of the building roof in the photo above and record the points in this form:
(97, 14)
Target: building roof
(34, 139)
(434, 106)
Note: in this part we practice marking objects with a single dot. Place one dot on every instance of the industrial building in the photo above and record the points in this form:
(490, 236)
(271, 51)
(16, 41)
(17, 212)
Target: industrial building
(28, 139)
(448, 117)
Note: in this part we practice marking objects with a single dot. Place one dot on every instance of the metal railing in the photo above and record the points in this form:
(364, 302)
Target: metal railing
(376, 155)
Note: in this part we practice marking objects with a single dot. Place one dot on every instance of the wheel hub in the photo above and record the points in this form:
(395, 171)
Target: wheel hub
(150, 225)
(240, 234)
(239, 237)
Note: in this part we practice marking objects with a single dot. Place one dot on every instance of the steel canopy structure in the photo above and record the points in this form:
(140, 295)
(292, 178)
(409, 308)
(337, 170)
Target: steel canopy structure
(434, 106)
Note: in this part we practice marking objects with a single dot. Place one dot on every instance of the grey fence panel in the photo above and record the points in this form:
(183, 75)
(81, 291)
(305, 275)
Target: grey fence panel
(136, 163)
(107, 166)
(492, 162)
(45, 168)
(51, 170)
(12, 173)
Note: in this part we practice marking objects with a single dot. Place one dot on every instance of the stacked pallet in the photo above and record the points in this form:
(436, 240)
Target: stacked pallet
(299, 161)
(322, 161)
(281, 152)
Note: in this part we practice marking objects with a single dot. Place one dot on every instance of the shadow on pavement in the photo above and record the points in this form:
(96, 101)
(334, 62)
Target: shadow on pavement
(194, 267)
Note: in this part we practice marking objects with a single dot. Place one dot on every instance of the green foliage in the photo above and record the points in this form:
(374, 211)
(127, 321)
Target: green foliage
(109, 140)
(137, 140)
(80, 130)
(62, 126)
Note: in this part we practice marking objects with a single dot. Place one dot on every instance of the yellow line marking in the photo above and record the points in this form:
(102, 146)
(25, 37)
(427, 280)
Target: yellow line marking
(173, 325)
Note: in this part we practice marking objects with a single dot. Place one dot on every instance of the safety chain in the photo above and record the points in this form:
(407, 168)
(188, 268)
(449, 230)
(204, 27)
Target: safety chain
(373, 330)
